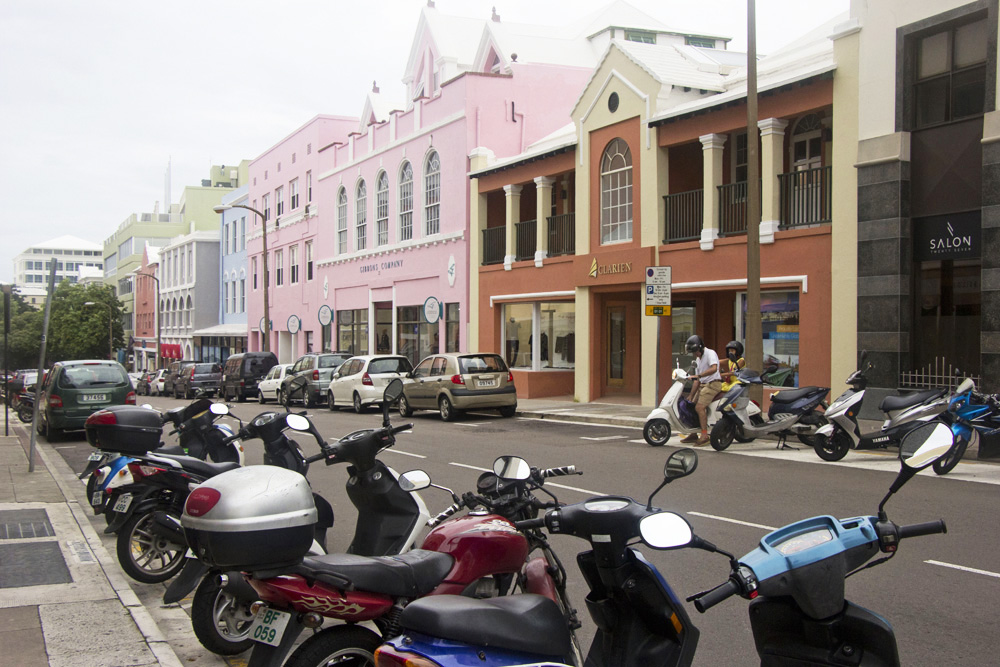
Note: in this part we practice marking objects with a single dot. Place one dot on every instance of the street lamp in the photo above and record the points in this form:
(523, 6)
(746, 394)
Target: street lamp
(111, 317)
(267, 306)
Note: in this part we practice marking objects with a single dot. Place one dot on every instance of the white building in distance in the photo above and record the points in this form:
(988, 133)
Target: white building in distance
(31, 267)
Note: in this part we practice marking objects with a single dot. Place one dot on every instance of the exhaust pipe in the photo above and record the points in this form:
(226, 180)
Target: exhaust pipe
(168, 527)
(234, 584)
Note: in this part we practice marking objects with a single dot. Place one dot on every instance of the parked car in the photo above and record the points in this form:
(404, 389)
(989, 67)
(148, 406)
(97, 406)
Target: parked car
(453, 383)
(156, 383)
(318, 369)
(242, 372)
(73, 390)
(360, 381)
(267, 389)
(142, 383)
(205, 376)
(170, 377)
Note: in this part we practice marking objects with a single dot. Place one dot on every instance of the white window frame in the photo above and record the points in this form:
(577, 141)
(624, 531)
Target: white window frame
(342, 220)
(406, 201)
(616, 193)
(382, 209)
(432, 194)
(361, 215)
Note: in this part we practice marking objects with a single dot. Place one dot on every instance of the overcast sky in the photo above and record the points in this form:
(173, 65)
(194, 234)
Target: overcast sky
(96, 96)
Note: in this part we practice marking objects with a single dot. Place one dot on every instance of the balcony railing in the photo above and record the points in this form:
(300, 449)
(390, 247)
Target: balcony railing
(525, 240)
(562, 234)
(733, 209)
(494, 245)
(683, 216)
(805, 197)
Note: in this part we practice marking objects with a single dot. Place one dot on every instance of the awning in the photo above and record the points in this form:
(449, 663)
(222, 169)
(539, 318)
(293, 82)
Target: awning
(170, 351)
(223, 330)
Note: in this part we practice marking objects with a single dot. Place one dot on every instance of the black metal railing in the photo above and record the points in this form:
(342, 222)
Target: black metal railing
(562, 234)
(494, 245)
(683, 216)
(805, 197)
(733, 208)
(525, 240)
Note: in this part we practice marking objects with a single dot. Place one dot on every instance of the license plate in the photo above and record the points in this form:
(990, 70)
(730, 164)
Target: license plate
(93, 398)
(123, 502)
(269, 625)
(490, 382)
(95, 499)
(96, 456)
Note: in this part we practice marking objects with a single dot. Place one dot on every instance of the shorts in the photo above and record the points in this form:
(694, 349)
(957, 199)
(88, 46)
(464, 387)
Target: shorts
(707, 392)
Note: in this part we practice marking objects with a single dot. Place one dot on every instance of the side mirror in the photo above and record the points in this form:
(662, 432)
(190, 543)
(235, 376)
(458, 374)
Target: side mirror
(923, 446)
(393, 391)
(298, 423)
(665, 530)
(414, 480)
(511, 468)
(297, 385)
(147, 406)
(681, 463)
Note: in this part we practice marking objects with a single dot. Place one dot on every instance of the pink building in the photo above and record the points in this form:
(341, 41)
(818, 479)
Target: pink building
(380, 262)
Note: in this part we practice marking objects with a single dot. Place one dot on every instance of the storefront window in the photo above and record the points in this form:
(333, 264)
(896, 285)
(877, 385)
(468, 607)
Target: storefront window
(327, 337)
(383, 329)
(416, 338)
(780, 331)
(452, 319)
(352, 331)
(555, 333)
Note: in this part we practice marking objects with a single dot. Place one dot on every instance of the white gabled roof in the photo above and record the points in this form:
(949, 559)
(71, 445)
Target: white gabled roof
(70, 243)
(668, 65)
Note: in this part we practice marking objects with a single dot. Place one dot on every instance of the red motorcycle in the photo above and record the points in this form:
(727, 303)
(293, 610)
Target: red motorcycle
(480, 555)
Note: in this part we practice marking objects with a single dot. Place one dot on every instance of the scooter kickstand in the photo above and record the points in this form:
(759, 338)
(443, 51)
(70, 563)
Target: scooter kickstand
(784, 445)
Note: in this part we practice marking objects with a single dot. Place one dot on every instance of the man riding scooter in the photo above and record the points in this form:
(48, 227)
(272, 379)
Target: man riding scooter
(708, 383)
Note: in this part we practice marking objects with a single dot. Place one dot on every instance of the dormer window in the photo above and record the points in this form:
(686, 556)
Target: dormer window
(641, 36)
(700, 42)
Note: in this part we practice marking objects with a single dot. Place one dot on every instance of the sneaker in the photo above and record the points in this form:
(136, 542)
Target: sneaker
(703, 440)
(690, 439)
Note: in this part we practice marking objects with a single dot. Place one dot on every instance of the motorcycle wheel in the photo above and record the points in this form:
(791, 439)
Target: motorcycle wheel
(722, 434)
(833, 448)
(947, 463)
(145, 556)
(742, 437)
(656, 432)
(347, 644)
(24, 413)
(220, 620)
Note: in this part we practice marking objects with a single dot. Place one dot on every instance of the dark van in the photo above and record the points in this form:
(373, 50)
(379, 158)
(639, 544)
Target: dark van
(204, 376)
(242, 372)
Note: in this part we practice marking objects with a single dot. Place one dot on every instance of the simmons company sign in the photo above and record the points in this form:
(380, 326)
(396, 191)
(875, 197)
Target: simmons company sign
(953, 236)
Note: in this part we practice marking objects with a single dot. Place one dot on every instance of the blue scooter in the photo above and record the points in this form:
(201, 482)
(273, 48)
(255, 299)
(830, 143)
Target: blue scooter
(970, 414)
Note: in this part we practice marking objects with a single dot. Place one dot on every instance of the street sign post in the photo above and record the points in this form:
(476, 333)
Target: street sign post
(658, 291)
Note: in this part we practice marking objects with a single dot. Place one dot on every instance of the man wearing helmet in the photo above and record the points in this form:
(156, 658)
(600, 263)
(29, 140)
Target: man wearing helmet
(707, 385)
(732, 364)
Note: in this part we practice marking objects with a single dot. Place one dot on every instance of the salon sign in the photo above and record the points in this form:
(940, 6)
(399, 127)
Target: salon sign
(952, 236)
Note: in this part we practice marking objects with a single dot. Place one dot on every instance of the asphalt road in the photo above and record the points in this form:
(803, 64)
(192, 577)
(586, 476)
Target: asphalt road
(942, 614)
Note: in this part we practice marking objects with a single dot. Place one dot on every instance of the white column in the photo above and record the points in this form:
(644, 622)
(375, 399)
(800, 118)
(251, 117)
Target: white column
(543, 209)
(512, 194)
(772, 149)
(712, 145)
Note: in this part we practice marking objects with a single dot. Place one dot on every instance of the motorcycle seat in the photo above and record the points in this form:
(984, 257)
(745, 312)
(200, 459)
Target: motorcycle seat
(199, 467)
(792, 395)
(529, 623)
(411, 574)
(893, 403)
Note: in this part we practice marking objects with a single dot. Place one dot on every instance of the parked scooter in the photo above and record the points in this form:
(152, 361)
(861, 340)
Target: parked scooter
(640, 621)
(969, 413)
(792, 412)
(26, 404)
(903, 414)
(676, 414)
(389, 522)
(795, 578)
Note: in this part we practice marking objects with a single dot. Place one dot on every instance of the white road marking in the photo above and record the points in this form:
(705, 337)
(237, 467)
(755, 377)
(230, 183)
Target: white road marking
(400, 451)
(462, 465)
(473, 424)
(604, 437)
(742, 523)
(561, 422)
(985, 573)
(573, 488)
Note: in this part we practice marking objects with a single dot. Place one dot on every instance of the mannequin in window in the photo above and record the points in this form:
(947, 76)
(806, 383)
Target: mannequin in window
(513, 342)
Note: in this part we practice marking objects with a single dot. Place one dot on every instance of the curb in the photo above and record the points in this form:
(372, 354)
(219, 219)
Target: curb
(589, 418)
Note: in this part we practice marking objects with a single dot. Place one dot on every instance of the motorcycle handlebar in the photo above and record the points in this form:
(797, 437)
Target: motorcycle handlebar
(716, 595)
(454, 507)
(528, 524)
(559, 472)
(918, 529)
(399, 429)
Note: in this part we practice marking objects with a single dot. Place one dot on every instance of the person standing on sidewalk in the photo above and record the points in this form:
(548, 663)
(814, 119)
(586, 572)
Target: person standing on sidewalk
(708, 382)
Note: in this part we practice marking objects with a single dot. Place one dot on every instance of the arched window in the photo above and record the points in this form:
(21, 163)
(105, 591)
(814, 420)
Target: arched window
(382, 209)
(361, 216)
(432, 194)
(187, 313)
(807, 143)
(342, 221)
(406, 202)
(225, 293)
(616, 193)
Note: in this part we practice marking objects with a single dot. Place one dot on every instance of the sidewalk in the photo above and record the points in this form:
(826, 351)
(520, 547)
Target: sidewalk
(63, 599)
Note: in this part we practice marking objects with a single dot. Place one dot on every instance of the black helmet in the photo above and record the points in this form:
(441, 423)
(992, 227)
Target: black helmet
(694, 343)
(736, 345)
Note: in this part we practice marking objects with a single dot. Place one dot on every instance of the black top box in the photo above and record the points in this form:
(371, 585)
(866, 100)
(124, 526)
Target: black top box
(127, 429)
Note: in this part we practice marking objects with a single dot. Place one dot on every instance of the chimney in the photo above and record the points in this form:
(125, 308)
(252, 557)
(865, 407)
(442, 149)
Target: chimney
(495, 17)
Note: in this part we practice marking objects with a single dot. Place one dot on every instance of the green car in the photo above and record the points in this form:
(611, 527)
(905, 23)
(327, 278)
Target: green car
(73, 390)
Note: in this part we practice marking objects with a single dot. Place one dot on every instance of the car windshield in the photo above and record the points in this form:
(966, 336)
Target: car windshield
(482, 363)
(393, 365)
(81, 377)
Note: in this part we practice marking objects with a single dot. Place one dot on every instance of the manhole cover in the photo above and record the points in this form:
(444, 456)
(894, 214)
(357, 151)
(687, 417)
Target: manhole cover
(32, 564)
(18, 524)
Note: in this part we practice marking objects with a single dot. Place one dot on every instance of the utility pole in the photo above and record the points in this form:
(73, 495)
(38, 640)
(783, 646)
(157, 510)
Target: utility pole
(754, 340)
(41, 366)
